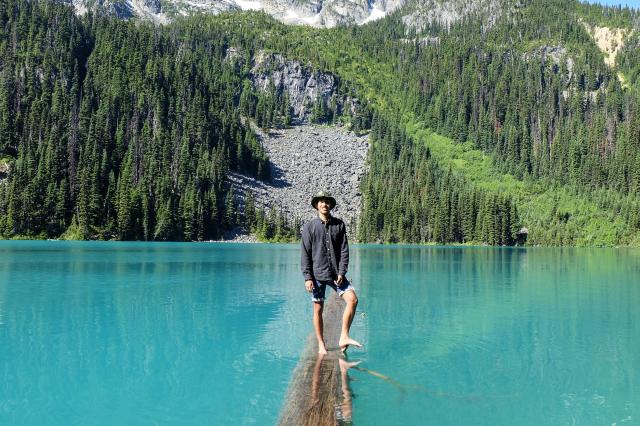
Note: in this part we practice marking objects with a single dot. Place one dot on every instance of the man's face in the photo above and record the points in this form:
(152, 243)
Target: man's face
(324, 206)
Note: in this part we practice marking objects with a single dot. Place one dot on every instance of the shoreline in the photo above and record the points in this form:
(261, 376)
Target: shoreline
(252, 239)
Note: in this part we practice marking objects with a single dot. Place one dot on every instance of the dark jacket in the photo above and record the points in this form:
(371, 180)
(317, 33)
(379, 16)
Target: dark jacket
(325, 250)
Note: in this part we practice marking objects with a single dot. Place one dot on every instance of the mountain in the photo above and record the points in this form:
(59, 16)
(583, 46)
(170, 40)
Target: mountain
(317, 13)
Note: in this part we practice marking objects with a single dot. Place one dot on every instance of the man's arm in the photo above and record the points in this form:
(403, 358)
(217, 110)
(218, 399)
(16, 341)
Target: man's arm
(343, 264)
(306, 260)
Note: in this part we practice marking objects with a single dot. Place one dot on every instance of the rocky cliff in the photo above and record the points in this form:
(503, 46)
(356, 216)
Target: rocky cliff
(303, 85)
(319, 13)
(4, 171)
(447, 12)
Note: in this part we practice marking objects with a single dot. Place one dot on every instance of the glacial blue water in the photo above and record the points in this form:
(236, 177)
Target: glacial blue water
(184, 333)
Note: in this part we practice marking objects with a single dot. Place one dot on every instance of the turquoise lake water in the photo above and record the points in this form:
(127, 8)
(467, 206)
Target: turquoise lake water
(139, 333)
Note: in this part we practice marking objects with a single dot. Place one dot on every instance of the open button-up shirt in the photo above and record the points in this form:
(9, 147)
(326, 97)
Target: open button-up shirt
(325, 250)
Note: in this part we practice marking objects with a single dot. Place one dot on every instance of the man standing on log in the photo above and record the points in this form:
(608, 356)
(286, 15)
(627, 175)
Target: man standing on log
(325, 258)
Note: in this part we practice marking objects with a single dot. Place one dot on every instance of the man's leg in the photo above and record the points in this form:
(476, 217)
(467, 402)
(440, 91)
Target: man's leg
(347, 318)
(319, 326)
(347, 396)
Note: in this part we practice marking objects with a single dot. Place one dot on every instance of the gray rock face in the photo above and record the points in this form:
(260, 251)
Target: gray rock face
(304, 160)
(448, 12)
(154, 6)
(5, 168)
(558, 55)
(555, 53)
(302, 84)
(125, 9)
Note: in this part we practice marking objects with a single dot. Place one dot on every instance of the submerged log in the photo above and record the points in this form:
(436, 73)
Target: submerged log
(317, 394)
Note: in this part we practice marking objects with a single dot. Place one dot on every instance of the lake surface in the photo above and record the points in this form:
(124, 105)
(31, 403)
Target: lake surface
(187, 333)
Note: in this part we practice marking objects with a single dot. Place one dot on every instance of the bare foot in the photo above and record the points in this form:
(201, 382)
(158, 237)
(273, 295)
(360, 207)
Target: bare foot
(345, 365)
(345, 342)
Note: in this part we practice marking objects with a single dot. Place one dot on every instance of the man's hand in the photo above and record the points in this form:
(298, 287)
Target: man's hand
(309, 285)
(340, 280)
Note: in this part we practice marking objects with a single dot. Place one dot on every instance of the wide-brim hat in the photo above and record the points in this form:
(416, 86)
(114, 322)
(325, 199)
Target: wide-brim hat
(323, 195)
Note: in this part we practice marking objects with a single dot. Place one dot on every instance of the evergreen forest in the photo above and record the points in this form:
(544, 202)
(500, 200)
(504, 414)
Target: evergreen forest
(499, 130)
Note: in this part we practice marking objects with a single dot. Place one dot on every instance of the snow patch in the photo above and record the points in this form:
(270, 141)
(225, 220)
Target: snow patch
(340, 10)
(137, 9)
(374, 15)
(312, 20)
(195, 4)
(293, 17)
(249, 5)
(80, 7)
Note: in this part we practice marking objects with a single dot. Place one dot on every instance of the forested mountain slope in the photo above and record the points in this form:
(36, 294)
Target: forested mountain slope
(114, 130)
(530, 97)
(480, 125)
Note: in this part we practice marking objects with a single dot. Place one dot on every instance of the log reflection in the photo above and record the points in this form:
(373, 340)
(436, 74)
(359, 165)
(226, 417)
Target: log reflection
(319, 392)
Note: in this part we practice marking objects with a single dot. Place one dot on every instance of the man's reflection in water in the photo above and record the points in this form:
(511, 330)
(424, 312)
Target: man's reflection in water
(344, 410)
(323, 371)
(315, 382)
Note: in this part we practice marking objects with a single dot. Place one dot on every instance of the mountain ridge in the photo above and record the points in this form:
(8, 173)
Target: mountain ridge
(327, 13)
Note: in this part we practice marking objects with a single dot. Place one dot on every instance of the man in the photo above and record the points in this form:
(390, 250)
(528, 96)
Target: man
(325, 258)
